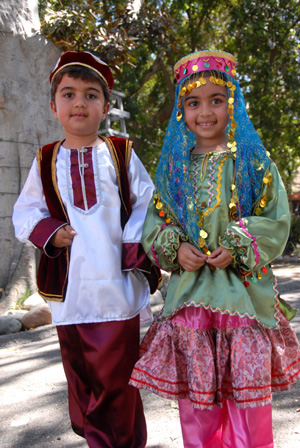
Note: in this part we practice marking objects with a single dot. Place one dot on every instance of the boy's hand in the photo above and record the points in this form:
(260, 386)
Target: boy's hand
(220, 258)
(63, 236)
(190, 258)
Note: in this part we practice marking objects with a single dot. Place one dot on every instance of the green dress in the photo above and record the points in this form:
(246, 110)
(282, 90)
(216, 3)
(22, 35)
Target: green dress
(223, 334)
(248, 286)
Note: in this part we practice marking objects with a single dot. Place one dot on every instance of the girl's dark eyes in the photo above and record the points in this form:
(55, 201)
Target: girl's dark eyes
(195, 103)
(217, 101)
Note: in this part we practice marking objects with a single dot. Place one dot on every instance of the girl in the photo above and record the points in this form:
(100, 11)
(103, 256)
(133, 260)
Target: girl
(222, 343)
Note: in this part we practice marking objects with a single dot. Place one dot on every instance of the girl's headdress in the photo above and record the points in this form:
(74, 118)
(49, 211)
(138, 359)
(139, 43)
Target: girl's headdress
(174, 191)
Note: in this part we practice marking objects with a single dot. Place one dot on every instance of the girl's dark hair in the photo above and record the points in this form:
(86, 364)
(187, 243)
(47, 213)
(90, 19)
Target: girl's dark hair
(205, 74)
(79, 72)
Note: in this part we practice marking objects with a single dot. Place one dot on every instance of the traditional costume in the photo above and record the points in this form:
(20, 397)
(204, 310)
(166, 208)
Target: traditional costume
(222, 342)
(97, 288)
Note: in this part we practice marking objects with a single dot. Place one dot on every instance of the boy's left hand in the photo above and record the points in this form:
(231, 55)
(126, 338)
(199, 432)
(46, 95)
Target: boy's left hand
(220, 258)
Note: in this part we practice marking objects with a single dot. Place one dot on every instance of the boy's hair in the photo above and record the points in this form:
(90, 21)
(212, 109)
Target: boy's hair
(79, 72)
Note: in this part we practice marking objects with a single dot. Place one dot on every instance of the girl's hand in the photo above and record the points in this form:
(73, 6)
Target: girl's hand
(220, 258)
(63, 236)
(190, 258)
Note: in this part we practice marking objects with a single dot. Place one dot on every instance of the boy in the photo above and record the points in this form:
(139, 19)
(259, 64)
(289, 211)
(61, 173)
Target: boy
(83, 205)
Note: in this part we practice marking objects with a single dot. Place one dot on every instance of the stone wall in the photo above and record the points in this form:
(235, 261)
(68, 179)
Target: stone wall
(26, 121)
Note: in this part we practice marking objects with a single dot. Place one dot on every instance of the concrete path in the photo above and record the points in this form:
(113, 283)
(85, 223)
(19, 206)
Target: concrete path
(33, 394)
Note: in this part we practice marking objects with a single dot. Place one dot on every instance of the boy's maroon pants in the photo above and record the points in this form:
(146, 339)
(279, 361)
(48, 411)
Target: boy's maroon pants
(98, 359)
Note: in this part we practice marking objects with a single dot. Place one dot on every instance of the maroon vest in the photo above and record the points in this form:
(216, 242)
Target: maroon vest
(52, 274)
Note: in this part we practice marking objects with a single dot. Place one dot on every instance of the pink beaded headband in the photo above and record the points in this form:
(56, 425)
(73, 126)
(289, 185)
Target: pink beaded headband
(203, 61)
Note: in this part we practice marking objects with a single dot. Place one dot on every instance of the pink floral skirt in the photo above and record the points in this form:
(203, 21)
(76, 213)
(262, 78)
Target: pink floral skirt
(209, 357)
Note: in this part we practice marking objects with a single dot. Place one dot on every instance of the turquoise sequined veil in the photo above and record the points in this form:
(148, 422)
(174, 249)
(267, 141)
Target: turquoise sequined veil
(172, 179)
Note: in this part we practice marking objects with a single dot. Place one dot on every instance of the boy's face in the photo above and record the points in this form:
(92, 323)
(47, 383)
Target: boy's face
(205, 110)
(79, 106)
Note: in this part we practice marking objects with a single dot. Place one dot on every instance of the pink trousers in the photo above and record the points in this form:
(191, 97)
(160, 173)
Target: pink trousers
(227, 427)
(98, 359)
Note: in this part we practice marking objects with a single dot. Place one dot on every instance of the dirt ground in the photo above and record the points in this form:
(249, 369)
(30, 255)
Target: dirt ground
(33, 411)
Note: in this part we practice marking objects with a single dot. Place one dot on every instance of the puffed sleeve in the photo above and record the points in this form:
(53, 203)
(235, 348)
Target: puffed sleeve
(141, 189)
(161, 240)
(257, 240)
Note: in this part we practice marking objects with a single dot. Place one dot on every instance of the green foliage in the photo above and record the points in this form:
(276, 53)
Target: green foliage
(143, 46)
(21, 300)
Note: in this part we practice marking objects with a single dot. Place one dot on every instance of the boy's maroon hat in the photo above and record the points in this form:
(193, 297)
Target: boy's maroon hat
(85, 59)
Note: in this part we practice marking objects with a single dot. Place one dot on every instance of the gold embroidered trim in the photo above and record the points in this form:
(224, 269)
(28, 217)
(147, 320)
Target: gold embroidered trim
(116, 163)
(83, 65)
(54, 177)
(204, 166)
(218, 189)
(203, 54)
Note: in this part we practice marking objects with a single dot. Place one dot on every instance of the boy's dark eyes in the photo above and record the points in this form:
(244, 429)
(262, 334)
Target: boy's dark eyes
(70, 95)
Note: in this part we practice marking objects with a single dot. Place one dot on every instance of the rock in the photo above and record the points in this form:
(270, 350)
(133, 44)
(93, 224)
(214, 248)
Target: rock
(37, 316)
(33, 300)
(164, 284)
(9, 325)
(17, 314)
(156, 298)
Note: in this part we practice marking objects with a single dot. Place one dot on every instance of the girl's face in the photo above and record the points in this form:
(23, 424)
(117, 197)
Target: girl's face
(205, 110)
